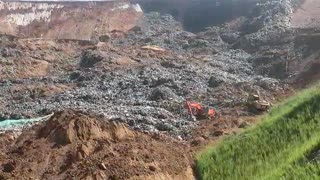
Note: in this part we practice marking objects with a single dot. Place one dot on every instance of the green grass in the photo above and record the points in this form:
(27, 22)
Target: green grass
(270, 149)
(303, 169)
(307, 167)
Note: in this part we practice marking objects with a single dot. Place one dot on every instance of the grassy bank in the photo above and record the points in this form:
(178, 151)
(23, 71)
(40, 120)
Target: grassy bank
(307, 167)
(266, 151)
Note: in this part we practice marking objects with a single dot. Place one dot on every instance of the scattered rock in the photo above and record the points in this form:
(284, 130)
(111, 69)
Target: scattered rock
(218, 133)
(152, 168)
(162, 93)
(9, 167)
(214, 82)
(153, 48)
(102, 166)
(197, 141)
(90, 58)
(244, 124)
(104, 38)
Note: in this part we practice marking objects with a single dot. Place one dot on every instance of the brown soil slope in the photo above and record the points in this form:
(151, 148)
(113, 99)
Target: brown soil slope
(67, 20)
(307, 15)
(75, 145)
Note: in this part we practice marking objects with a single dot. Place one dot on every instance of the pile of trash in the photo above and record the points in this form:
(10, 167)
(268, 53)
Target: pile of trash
(143, 77)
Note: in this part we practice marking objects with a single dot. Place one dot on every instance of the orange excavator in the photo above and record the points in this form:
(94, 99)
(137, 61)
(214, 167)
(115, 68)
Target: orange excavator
(197, 111)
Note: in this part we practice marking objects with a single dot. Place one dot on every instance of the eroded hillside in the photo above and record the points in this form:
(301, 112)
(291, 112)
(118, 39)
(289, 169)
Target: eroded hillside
(125, 66)
(67, 20)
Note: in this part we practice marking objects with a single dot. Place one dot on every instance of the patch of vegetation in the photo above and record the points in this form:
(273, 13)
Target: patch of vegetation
(270, 149)
(307, 167)
(305, 170)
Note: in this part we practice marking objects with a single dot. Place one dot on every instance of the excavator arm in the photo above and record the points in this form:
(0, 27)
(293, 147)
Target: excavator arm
(197, 110)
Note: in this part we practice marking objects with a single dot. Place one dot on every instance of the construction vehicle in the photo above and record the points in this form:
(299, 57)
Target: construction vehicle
(256, 103)
(197, 111)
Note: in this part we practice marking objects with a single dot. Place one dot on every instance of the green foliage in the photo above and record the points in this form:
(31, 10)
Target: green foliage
(270, 149)
(305, 170)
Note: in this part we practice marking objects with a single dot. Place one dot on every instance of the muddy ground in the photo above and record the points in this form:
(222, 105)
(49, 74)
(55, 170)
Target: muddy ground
(142, 78)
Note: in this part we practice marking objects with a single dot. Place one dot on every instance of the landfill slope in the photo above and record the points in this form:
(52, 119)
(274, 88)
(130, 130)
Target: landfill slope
(128, 87)
(143, 77)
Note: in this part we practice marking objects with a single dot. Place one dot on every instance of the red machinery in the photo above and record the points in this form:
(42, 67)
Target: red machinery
(198, 111)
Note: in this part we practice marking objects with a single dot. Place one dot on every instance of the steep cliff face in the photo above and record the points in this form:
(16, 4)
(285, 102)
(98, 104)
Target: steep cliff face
(67, 20)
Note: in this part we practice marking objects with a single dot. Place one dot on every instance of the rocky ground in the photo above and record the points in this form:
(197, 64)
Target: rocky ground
(142, 78)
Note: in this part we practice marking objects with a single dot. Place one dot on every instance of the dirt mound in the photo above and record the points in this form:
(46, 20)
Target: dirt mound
(76, 145)
(80, 129)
